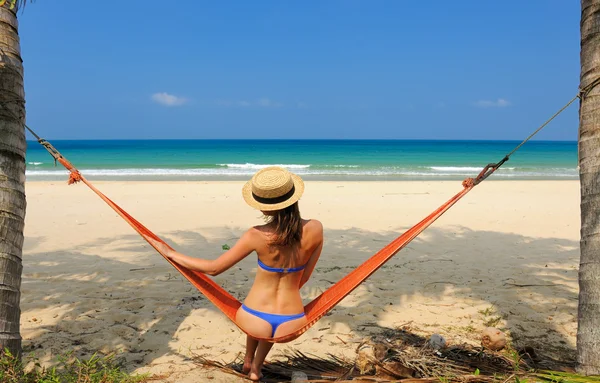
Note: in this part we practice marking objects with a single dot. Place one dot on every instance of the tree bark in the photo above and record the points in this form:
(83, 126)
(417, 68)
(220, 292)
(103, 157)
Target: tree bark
(12, 177)
(588, 331)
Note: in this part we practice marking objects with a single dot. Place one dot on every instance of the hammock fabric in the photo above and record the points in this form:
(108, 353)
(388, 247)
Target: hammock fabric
(317, 308)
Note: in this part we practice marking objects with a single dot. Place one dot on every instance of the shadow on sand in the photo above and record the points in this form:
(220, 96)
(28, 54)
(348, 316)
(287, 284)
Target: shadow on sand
(137, 308)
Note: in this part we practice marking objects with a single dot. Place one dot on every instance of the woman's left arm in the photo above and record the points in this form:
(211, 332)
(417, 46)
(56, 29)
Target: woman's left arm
(243, 247)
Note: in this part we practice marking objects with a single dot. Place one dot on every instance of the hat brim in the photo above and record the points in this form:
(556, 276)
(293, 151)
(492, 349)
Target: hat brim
(249, 198)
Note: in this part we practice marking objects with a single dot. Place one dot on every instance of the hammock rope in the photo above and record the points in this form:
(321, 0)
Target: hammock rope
(318, 307)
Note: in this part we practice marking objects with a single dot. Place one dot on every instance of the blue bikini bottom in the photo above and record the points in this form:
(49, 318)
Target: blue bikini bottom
(275, 320)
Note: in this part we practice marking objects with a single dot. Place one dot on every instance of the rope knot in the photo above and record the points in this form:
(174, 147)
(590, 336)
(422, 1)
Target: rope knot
(468, 182)
(74, 177)
(583, 92)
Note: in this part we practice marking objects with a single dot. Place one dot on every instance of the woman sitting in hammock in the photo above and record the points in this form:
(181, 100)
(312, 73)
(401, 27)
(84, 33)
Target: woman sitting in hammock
(288, 248)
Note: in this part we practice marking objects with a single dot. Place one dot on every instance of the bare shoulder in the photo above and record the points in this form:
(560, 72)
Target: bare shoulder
(314, 227)
(252, 235)
(314, 224)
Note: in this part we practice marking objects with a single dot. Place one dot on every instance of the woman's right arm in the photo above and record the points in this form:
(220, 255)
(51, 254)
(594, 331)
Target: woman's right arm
(312, 261)
(242, 248)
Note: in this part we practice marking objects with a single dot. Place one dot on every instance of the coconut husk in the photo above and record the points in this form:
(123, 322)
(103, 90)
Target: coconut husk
(365, 360)
(493, 339)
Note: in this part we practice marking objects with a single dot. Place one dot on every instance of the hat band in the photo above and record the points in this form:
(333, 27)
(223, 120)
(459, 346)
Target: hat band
(274, 200)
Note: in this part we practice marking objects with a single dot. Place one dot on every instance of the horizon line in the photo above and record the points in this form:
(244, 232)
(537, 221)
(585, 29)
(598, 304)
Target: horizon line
(301, 139)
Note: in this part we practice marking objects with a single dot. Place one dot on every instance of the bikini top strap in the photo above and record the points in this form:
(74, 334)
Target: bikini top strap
(280, 270)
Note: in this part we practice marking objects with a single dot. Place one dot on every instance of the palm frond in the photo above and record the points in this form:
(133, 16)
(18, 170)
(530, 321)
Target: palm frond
(406, 358)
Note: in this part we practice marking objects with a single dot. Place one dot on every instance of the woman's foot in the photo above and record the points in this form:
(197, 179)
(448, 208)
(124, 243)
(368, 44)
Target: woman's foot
(259, 358)
(251, 345)
(255, 374)
(247, 365)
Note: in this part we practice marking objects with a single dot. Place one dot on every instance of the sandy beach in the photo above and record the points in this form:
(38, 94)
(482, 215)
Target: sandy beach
(506, 254)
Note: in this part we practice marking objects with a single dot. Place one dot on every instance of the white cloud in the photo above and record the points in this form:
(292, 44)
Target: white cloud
(499, 103)
(167, 99)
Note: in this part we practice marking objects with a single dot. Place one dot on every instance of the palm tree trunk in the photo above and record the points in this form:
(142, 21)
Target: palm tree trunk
(12, 177)
(588, 331)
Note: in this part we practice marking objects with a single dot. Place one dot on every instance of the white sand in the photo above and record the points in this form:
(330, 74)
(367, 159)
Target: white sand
(90, 283)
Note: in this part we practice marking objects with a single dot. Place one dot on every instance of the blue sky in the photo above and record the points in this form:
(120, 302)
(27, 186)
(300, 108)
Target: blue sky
(304, 69)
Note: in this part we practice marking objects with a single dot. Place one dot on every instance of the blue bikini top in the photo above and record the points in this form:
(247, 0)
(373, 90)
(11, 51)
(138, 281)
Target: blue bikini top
(280, 270)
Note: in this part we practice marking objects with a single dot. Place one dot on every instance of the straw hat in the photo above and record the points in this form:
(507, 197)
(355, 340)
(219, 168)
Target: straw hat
(273, 188)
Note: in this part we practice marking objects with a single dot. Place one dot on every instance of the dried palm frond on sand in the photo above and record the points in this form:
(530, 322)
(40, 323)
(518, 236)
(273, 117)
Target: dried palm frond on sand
(398, 355)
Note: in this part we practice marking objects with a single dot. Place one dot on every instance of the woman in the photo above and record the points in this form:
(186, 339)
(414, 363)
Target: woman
(288, 248)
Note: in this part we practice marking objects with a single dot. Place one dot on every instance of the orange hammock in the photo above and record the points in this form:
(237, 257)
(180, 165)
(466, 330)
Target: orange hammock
(314, 310)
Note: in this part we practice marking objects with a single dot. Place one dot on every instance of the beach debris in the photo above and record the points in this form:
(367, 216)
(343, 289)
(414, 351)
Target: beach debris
(365, 360)
(225, 247)
(405, 354)
(370, 355)
(380, 351)
(437, 342)
(393, 370)
(299, 377)
(493, 339)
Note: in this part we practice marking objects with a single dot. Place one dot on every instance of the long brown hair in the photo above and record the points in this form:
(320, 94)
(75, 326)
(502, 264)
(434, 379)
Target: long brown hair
(288, 226)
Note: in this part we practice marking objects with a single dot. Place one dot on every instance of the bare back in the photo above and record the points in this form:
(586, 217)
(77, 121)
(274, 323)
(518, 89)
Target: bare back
(279, 292)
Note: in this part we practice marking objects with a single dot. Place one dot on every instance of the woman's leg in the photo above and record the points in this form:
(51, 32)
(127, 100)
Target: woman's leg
(251, 345)
(259, 358)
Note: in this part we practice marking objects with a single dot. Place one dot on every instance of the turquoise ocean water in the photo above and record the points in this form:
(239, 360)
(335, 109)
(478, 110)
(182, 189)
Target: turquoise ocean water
(313, 159)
